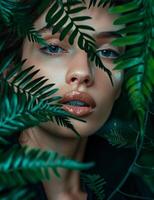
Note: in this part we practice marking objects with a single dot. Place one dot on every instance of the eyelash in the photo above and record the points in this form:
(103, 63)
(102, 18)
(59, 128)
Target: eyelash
(53, 49)
(111, 54)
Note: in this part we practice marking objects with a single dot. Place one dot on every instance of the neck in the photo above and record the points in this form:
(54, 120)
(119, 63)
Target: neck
(69, 183)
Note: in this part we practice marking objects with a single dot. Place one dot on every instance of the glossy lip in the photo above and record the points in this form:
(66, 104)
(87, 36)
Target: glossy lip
(78, 110)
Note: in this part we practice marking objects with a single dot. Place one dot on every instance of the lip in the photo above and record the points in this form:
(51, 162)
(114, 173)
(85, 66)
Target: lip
(78, 110)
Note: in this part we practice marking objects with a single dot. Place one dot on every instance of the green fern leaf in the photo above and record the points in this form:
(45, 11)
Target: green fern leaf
(6, 63)
(129, 62)
(6, 8)
(77, 9)
(126, 7)
(92, 3)
(129, 40)
(21, 75)
(32, 165)
(52, 10)
(73, 36)
(86, 42)
(131, 17)
(14, 70)
(16, 193)
(81, 18)
(59, 24)
(140, 64)
(55, 17)
(29, 107)
(95, 182)
(66, 31)
(119, 133)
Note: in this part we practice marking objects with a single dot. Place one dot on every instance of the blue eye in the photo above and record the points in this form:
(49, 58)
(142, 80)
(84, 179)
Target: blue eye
(52, 49)
(108, 53)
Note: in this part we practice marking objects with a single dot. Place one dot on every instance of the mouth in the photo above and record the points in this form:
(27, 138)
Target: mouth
(78, 103)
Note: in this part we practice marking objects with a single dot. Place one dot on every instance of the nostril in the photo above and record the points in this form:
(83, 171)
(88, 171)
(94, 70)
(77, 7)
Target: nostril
(86, 81)
(73, 79)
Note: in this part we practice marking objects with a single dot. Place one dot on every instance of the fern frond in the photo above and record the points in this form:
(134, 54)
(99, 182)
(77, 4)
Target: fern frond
(23, 165)
(31, 102)
(140, 65)
(22, 111)
(60, 19)
(95, 182)
(15, 14)
(101, 2)
(6, 63)
(9, 8)
(16, 193)
(149, 180)
(119, 133)
(6, 7)
(29, 31)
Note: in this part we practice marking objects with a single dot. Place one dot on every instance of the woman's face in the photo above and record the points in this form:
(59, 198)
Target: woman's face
(86, 89)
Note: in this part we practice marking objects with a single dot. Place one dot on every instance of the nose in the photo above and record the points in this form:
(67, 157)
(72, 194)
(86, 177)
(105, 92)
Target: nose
(80, 71)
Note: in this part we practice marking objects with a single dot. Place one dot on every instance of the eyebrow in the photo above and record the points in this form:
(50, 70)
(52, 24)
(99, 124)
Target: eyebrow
(107, 34)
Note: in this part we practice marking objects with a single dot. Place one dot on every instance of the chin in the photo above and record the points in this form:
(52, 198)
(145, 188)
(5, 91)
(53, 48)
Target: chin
(85, 129)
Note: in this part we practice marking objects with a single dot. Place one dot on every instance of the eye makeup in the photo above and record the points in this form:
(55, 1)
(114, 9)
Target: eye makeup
(54, 46)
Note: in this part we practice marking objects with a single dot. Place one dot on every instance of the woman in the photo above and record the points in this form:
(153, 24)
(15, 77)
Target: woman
(86, 92)
(79, 82)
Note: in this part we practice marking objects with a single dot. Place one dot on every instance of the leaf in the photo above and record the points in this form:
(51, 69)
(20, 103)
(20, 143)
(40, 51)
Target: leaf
(119, 133)
(95, 182)
(27, 78)
(89, 37)
(73, 36)
(152, 44)
(92, 3)
(20, 76)
(2, 44)
(51, 11)
(130, 17)
(34, 83)
(128, 40)
(27, 108)
(14, 70)
(126, 7)
(81, 18)
(44, 89)
(43, 5)
(58, 26)
(77, 10)
(132, 28)
(21, 162)
(86, 27)
(132, 62)
(6, 62)
(65, 31)
(55, 18)
(17, 193)
(34, 36)
(104, 2)
(38, 84)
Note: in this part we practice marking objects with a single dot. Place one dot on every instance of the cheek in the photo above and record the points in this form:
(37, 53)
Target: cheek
(106, 93)
(118, 78)
(54, 69)
(108, 90)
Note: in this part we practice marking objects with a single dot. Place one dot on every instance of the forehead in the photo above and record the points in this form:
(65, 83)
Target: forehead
(101, 20)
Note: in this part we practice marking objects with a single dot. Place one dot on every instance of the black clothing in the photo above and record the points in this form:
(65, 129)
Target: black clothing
(112, 164)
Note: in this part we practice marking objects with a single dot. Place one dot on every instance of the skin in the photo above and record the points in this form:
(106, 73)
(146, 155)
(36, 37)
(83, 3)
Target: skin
(70, 70)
